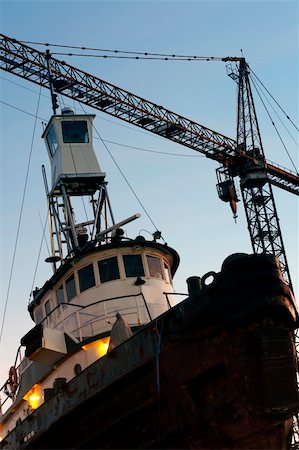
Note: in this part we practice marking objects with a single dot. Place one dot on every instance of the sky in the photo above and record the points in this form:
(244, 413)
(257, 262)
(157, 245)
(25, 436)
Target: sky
(178, 189)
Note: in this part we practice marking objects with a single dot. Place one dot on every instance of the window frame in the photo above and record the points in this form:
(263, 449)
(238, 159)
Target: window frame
(167, 272)
(68, 137)
(71, 277)
(79, 279)
(133, 273)
(116, 274)
(52, 140)
(150, 269)
(48, 304)
(59, 302)
(39, 315)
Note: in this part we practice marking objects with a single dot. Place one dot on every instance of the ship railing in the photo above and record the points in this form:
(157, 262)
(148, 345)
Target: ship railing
(167, 294)
(85, 321)
(80, 324)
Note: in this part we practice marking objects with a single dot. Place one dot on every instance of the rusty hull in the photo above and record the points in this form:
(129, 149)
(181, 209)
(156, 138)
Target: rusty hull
(218, 371)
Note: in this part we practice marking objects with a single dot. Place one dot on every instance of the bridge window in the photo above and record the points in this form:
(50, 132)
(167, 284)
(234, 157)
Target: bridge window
(48, 307)
(154, 266)
(60, 296)
(52, 140)
(75, 131)
(39, 315)
(86, 278)
(70, 287)
(133, 265)
(108, 269)
(167, 273)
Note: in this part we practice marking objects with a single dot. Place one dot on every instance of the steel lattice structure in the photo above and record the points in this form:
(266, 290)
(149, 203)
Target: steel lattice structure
(260, 209)
(238, 157)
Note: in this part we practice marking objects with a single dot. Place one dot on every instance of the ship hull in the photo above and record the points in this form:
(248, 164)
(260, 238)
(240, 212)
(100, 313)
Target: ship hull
(216, 371)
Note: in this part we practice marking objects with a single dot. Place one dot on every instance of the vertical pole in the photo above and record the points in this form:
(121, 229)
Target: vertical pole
(73, 235)
(53, 95)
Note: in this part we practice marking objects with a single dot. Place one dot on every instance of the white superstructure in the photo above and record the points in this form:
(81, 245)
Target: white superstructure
(100, 277)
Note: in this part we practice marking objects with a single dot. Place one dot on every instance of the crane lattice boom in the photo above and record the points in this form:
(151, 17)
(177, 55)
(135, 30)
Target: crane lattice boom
(236, 157)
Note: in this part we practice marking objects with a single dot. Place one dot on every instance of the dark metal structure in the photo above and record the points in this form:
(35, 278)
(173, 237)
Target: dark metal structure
(217, 371)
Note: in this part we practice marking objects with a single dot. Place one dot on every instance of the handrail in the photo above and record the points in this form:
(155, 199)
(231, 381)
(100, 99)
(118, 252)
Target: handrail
(84, 307)
(172, 293)
(81, 307)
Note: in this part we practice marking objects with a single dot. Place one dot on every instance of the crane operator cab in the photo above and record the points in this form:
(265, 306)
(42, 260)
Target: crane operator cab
(69, 140)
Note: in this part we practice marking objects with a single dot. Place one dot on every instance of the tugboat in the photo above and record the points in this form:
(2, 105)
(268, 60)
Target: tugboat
(115, 361)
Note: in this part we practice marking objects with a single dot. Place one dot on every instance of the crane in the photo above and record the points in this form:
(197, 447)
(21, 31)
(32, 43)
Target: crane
(243, 157)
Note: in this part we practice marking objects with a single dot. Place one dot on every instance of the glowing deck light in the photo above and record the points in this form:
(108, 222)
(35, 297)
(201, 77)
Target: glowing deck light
(34, 397)
(100, 346)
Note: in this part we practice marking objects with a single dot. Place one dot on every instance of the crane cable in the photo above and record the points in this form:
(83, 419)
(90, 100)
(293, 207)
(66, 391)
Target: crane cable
(39, 253)
(20, 217)
(101, 118)
(125, 52)
(274, 125)
(113, 142)
(124, 177)
(152, 58)
(274, 99)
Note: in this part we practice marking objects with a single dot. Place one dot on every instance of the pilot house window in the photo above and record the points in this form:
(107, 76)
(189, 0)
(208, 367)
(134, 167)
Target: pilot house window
(52, 140)
(75, 131)
(70, 287)
(48, 308)
(133, 265)
(39, 315)
(108, 269)
(60, 295)
(154, 266)
(86, 278)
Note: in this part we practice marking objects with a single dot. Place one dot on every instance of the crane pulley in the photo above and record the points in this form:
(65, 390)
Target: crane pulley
(243, 157)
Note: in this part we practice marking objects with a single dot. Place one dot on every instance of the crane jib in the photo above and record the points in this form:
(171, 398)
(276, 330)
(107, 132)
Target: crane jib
(242, 157)
(31, 64)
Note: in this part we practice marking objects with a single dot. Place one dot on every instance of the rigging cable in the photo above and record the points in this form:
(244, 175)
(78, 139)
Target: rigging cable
(20, 218)
(152, 58)
(21, 110)
(124, 177)
(24, 87)
(274, 100)
(102, 118)
(152, 151)
(38, 256)
(274, 125)
(202, 58)
(113, 142)
(131, 188)
(275, 112)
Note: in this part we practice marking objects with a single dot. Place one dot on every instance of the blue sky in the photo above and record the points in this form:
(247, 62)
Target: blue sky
(178, 191)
